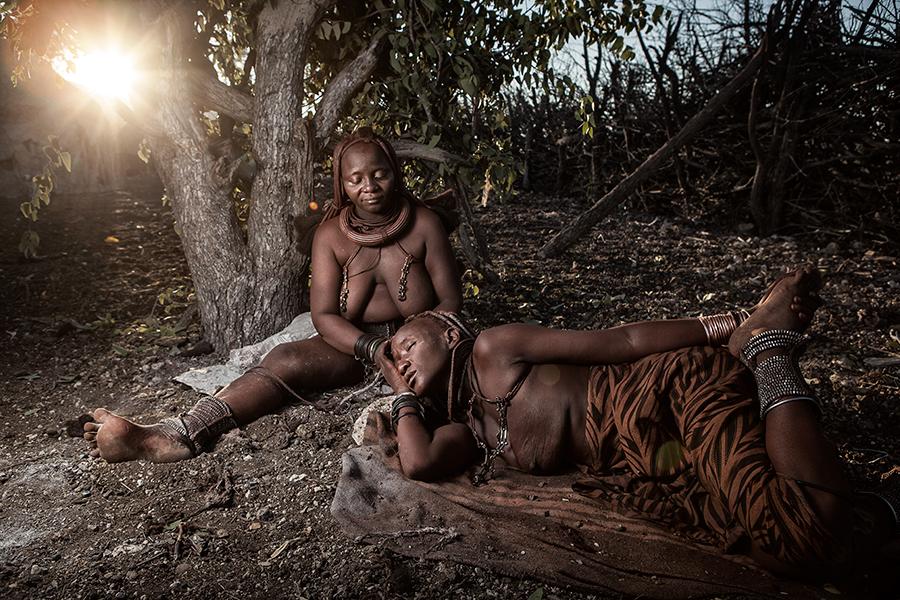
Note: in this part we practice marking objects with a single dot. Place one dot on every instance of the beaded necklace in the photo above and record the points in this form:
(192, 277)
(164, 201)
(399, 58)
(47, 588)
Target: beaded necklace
(375, 234)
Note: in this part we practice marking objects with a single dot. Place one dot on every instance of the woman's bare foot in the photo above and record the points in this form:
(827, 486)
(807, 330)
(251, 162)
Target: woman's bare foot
(778, 308)
(115, 439)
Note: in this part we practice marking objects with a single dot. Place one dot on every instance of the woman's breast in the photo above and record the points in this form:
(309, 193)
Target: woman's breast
(546, 419)
(382, 286)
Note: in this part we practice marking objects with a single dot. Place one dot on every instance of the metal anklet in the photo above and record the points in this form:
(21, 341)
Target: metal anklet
(769, 340)
(200, 427)
(778, 378)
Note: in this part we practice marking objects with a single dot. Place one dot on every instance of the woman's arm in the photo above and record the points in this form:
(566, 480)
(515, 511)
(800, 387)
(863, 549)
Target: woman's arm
(324, 293)
(522, 343)
(440, 262)
(533, 344)
(427, 455)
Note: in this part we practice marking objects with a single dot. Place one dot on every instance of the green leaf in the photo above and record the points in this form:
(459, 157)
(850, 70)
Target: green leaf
(66, 159)
(468, 85)
(26, 209)
(537, 594)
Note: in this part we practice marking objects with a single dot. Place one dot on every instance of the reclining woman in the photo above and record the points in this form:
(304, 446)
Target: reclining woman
(378, 256)
(655, 401)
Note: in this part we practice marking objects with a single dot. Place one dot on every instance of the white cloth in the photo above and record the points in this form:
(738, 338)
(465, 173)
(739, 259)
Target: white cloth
(212, 378)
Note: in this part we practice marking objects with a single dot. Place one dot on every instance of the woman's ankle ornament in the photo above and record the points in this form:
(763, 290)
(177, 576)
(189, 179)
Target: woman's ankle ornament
(778, 378)
(200, 427)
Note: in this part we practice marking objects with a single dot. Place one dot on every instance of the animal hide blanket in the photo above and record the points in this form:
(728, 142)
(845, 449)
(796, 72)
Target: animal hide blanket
(532, 526)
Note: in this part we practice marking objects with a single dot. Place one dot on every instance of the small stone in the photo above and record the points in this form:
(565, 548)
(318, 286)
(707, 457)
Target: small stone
(182, 568)
(832, 248)
(36, 570)
(131, 575)
(620, 528)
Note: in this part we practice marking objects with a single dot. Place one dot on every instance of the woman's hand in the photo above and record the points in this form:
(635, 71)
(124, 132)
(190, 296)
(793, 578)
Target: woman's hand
(389, 370)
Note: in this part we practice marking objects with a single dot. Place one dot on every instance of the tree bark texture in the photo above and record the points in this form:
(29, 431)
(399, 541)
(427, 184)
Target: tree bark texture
(248, 283)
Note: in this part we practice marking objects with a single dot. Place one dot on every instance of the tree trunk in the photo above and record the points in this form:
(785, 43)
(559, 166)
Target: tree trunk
(247, 285)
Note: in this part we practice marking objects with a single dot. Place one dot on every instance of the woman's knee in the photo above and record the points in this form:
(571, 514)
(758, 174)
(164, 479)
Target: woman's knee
(283, 358)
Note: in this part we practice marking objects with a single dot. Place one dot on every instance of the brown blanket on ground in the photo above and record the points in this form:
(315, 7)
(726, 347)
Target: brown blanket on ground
(533, 526)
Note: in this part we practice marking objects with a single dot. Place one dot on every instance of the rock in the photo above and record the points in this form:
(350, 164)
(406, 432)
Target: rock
(75, 427)
(182, 568)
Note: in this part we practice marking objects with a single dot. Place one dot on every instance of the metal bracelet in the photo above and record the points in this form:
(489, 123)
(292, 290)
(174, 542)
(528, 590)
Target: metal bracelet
(740, 315)
(405, 400)
(409, 414)
(366, 346)
(718, 328)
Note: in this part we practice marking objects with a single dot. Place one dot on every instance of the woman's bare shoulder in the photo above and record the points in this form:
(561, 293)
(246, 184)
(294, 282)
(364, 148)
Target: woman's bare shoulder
(428, 221)
(496, 341)
(327, 233)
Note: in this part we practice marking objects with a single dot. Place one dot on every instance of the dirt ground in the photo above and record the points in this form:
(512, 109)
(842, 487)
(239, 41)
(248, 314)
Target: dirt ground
(103, 319)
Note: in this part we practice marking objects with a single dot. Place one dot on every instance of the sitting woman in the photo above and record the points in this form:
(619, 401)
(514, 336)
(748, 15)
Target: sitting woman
(657, 401)
(378, 256)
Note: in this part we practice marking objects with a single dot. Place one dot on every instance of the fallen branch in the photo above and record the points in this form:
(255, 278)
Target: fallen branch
(603, 207)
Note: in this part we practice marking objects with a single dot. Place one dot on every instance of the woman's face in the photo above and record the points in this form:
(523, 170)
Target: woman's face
(367, 179)
(421, 351)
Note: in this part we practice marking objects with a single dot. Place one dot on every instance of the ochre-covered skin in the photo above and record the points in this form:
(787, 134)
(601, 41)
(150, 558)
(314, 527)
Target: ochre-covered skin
(805, 521)
(368, 181)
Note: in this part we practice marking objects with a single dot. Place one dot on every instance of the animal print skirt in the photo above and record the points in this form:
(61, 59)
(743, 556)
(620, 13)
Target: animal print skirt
(677, 439)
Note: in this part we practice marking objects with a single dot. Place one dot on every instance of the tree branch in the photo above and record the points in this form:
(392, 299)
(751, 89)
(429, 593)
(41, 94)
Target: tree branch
(341, 88)
(627, 186)
(409, 149)
(223, 98)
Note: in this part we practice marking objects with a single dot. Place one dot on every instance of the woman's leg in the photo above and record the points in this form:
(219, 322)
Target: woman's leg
(306, 365)
(795, 442)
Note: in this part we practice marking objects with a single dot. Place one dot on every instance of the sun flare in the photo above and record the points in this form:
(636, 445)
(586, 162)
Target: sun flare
(105, 74)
